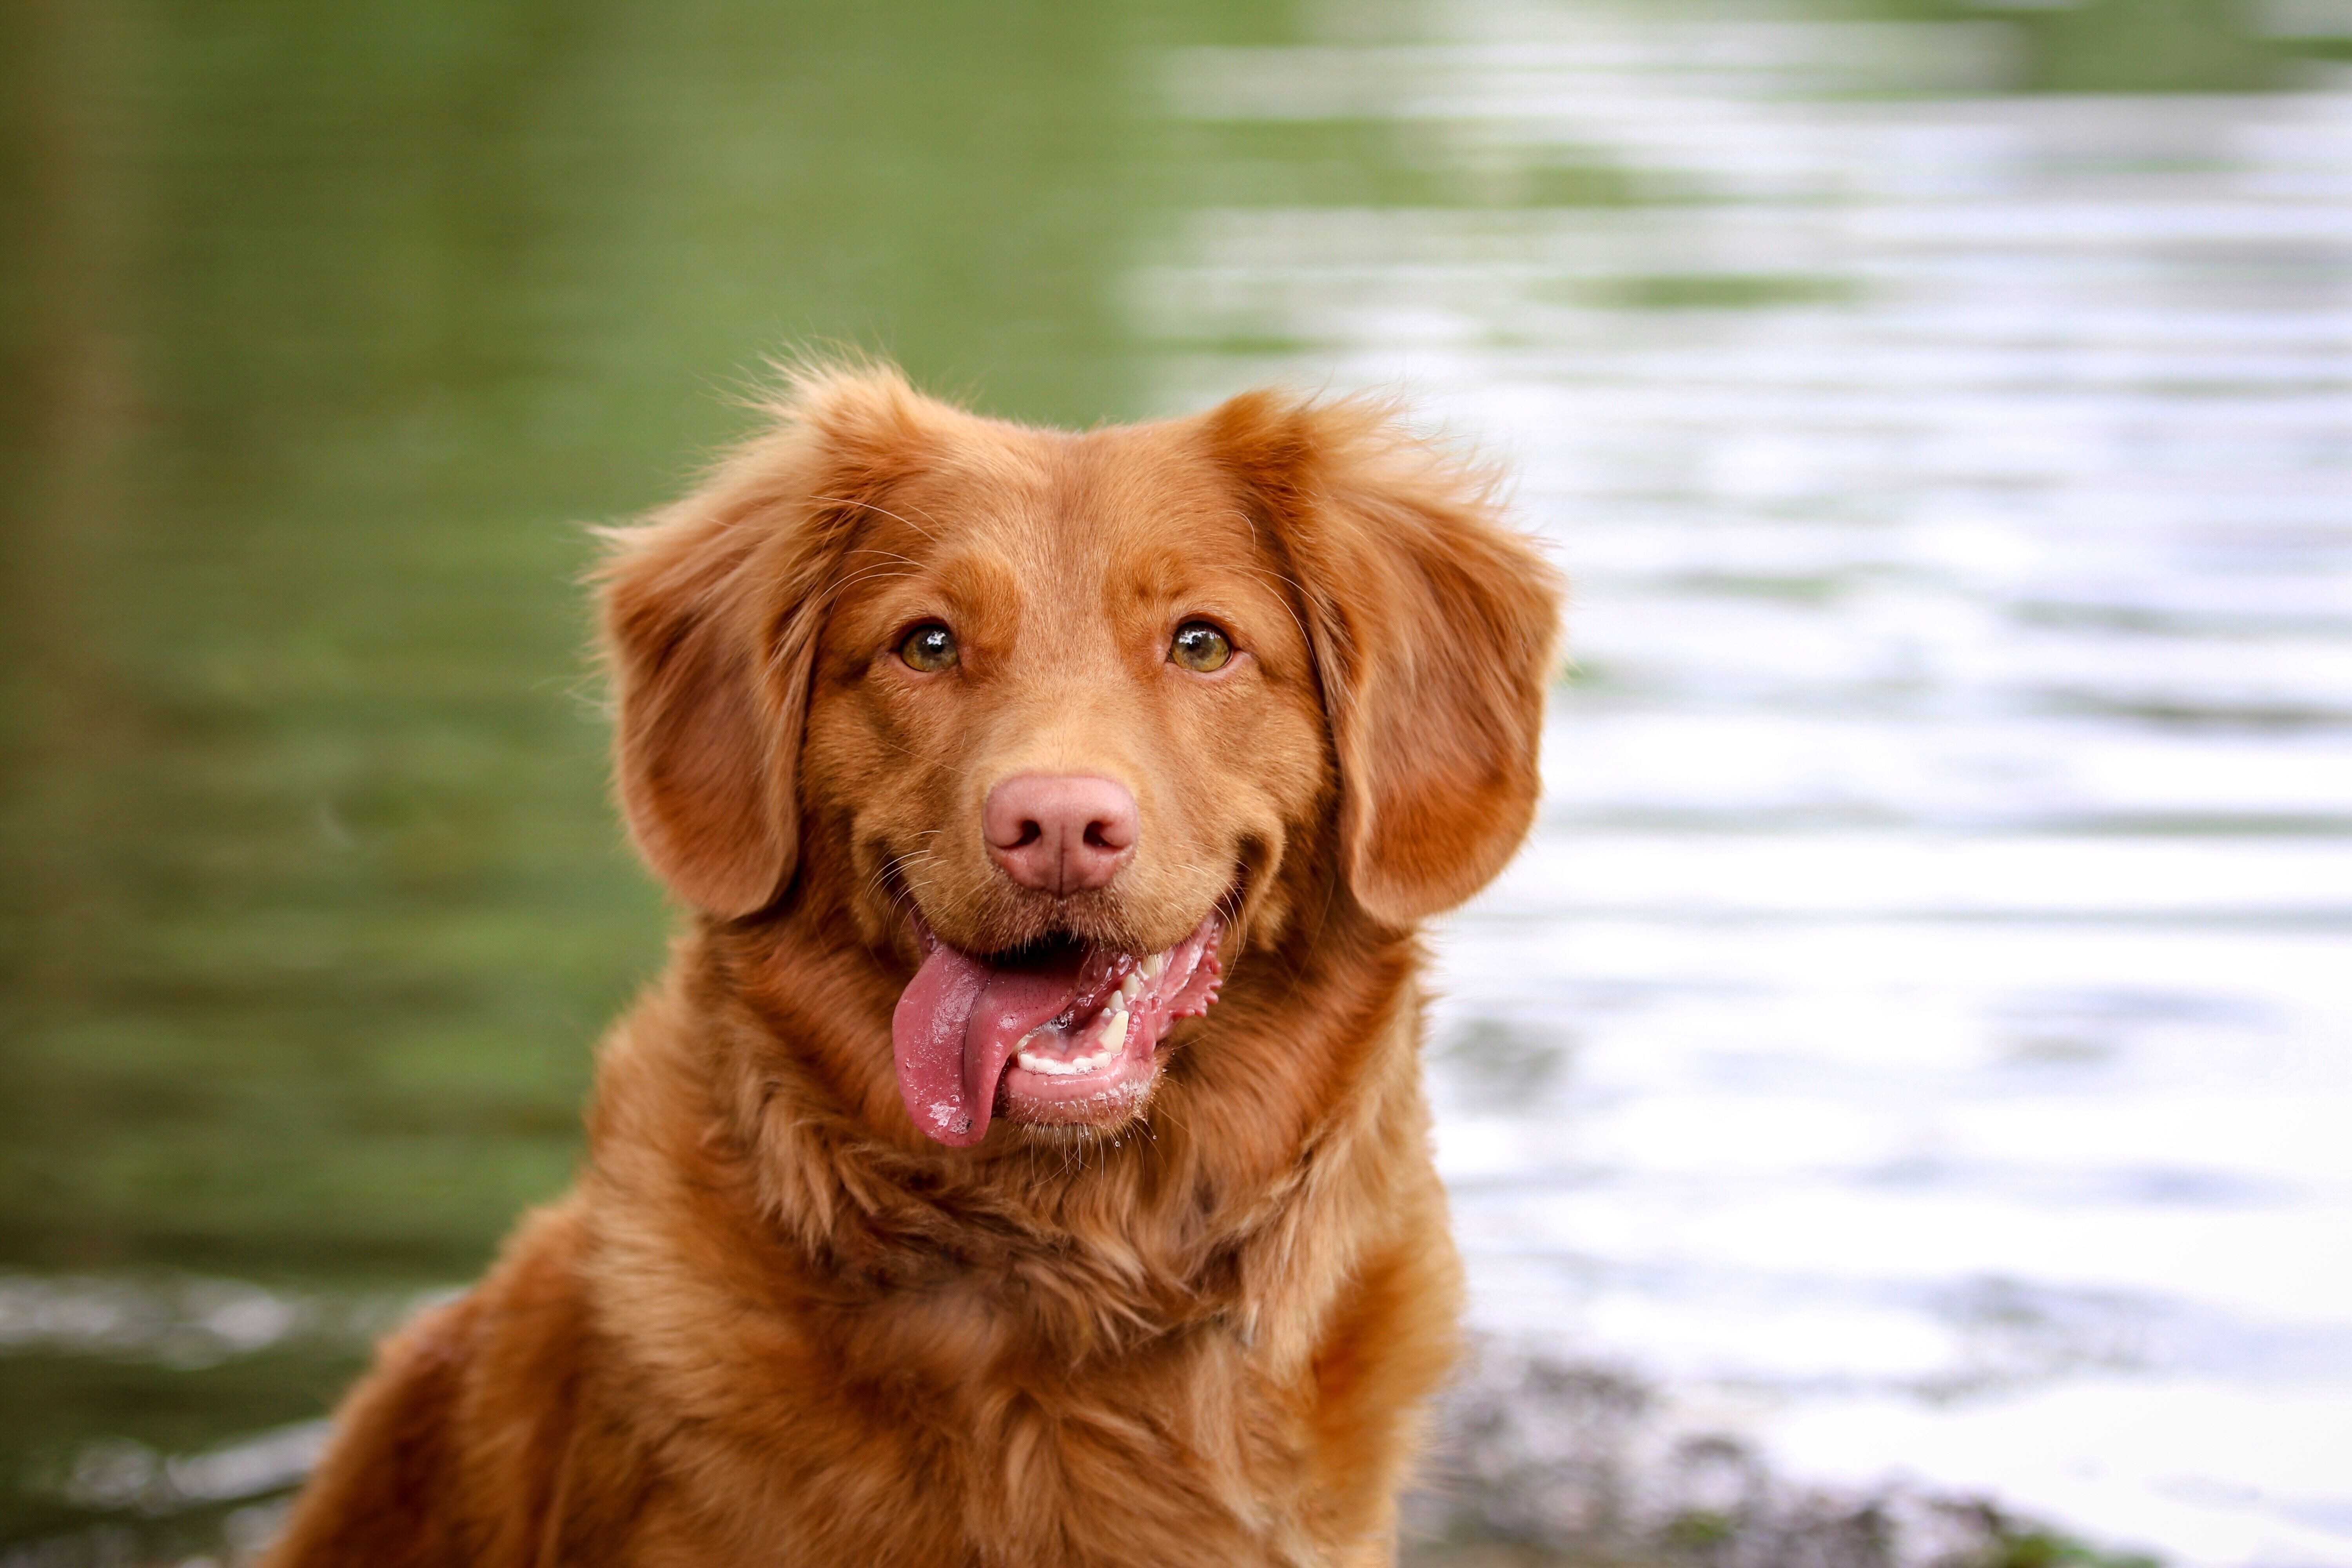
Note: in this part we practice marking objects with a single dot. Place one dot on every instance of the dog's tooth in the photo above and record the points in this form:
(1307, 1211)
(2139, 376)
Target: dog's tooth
(1114, 1034)
(1132, 987)
(1153, 966)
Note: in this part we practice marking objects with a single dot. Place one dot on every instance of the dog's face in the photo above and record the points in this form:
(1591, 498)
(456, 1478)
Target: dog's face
(1067, 722)
(1064, 722)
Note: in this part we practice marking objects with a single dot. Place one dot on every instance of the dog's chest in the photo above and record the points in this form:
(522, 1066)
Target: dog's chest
(948, 1436)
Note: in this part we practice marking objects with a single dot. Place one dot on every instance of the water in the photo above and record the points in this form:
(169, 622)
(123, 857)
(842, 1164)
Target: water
(1917, 1038)
(1914, 1042)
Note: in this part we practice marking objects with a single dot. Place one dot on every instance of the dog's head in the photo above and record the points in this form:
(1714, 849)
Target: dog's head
(1066, 723)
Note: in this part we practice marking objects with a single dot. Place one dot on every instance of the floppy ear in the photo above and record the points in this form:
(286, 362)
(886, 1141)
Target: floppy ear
(712, 610)
(1433, 626)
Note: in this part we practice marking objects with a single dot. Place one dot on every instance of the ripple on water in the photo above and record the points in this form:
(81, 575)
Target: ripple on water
(1914, 1043)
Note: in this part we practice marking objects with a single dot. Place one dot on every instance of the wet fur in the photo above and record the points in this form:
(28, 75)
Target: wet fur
(771, 1322)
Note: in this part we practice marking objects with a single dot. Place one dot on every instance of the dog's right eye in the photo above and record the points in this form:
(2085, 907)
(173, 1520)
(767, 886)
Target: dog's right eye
(1198, 645)
(928, 648)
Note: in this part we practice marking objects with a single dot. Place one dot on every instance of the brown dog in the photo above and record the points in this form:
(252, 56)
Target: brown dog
(1024, 1161)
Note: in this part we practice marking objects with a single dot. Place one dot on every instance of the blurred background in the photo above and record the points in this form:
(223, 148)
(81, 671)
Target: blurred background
(1898, 1110)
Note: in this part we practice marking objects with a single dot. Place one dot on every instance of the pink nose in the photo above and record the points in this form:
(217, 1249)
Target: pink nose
(1058, 833)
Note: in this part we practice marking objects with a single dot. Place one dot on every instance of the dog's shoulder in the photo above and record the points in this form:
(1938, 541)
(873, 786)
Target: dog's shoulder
(458, 1446)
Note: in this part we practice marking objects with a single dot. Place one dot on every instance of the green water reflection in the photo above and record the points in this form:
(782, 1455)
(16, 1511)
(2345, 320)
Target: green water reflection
(325, 328)
(336, 323)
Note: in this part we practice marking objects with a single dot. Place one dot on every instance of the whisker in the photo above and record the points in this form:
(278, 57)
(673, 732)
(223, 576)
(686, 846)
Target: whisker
(877, 573)
(885, 511)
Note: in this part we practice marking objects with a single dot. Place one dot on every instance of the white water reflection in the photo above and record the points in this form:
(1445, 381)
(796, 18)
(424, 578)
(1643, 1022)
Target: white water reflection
(1918, 1035)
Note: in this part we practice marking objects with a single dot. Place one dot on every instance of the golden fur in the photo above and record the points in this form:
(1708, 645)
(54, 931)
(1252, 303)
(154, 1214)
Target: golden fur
(773, 1323)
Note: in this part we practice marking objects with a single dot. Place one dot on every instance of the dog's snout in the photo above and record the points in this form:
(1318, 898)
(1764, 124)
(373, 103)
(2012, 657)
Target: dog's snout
(1058, 833)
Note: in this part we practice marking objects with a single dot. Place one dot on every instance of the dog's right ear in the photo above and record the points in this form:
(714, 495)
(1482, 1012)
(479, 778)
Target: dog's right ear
(712, 610)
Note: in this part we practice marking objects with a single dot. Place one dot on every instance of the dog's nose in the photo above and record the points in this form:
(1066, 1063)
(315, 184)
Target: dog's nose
(1059, 833)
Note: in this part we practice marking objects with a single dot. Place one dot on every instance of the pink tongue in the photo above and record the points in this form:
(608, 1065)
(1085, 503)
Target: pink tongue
(956, 1021)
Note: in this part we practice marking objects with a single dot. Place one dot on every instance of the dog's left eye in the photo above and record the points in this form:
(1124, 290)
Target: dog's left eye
(929, 648)
(1200, 646)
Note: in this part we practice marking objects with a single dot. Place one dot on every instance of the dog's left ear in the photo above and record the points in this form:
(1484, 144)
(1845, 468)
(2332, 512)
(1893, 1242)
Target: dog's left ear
(1434, 628)
(712, 612)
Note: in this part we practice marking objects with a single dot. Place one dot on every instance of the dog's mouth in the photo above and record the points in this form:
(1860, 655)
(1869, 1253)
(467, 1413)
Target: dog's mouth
(1060, 1033)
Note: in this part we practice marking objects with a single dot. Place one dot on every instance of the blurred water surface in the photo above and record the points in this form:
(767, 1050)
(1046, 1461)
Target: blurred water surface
(1915, 1041)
